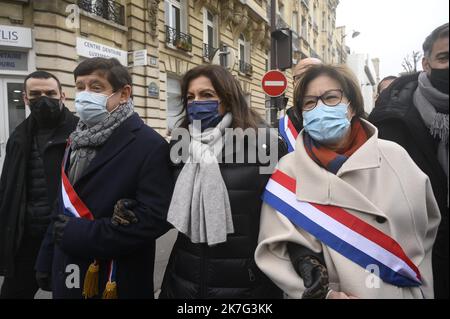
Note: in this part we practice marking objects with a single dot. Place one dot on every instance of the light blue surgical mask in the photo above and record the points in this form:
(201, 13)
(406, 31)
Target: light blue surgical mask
(91, 107)
(327, 124)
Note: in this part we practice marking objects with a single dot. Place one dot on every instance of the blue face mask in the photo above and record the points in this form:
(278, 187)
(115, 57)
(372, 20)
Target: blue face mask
(327, 124)
(205, 111)
(91, 107)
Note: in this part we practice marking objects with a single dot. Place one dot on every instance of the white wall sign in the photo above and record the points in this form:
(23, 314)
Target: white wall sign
(15, 37)
(140, 58)
(90, 49)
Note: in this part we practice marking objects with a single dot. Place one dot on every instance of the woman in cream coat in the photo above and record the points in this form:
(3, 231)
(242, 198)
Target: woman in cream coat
(339, 161)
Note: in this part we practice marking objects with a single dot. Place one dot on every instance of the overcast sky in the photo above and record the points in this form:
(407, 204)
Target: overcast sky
(390, 29)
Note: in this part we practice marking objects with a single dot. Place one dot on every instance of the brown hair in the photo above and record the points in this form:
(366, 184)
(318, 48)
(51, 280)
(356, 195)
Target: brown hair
(230, 94)
(339, 73)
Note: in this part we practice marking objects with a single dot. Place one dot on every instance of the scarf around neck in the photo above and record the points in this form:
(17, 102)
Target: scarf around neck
(200, 206)
(330, 160)
(433, 107)
(85, 141)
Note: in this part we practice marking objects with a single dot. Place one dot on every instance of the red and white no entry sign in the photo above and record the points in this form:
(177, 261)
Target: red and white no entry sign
(274, 83)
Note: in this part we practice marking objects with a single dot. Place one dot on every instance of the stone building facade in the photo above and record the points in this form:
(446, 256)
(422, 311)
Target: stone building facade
(158, 40)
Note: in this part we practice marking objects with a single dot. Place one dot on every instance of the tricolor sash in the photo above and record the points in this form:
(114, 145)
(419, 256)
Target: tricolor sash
(343, 232)
(75, 207)
(288, 132)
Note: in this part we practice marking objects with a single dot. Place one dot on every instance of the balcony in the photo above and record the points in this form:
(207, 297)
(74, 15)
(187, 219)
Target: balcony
(245, 68)
(178, 39)
(107, 9)
(209, 52)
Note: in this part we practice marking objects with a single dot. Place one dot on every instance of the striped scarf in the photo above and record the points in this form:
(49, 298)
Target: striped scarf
(333, 160)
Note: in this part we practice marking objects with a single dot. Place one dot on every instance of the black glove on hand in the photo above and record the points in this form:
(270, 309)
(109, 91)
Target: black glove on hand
(123, 214)
(315, 278)
(310, 267)
(44, 281)
(59, 225)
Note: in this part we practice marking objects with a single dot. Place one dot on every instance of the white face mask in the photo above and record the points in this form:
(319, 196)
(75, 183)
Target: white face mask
(91, 107)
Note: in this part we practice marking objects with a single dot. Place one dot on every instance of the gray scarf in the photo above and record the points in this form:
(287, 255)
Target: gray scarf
(433, 107)
(200, 207)
(85, 141)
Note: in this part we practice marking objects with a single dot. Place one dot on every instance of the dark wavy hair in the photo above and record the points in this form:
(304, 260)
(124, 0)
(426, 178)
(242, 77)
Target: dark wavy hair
(339, 73)
(229, 91)
(116, 74)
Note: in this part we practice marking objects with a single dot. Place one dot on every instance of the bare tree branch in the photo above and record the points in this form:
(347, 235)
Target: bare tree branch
(410, 62)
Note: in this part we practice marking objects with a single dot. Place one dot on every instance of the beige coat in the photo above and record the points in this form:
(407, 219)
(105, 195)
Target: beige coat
(379, 179)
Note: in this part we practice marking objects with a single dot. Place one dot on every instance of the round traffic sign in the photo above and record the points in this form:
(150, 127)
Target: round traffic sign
(274, 83)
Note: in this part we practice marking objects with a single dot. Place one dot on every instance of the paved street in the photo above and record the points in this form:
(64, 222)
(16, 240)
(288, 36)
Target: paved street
(163, 248)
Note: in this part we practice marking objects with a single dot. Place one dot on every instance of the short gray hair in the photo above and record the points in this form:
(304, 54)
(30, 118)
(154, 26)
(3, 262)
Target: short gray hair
(438, 33)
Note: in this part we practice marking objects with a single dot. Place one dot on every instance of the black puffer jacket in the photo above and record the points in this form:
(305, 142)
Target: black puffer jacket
(398, 120)
(14, 184)
(226, 270)
(38, 207)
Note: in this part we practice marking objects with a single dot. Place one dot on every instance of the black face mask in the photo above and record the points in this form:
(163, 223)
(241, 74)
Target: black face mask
(439, 79)
(46, 111)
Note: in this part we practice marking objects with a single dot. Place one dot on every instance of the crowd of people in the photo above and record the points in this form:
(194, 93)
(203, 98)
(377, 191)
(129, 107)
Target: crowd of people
(355, 208)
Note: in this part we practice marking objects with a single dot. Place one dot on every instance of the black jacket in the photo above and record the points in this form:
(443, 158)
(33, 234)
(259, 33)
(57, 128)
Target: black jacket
(296, 118)
(398, 120)
(227, 270)
(133, 163)
(13, 185)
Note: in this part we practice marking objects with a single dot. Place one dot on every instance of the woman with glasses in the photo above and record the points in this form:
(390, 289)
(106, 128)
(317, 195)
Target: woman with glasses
(358, 202)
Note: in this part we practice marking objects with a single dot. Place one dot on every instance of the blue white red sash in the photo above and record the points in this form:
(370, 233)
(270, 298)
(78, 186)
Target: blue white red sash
(74, 205)
(343, 232)
(288, 132)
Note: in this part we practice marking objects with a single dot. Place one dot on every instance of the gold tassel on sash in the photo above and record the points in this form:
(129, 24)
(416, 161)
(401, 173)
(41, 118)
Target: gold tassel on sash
(90, 287)
(110, 290)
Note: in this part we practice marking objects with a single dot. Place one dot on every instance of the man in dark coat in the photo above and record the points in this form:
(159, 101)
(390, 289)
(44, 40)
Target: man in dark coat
(30, 178)
(413, 112)
(113, 155)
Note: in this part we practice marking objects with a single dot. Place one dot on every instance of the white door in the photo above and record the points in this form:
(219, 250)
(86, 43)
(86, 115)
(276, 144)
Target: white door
(12, 110)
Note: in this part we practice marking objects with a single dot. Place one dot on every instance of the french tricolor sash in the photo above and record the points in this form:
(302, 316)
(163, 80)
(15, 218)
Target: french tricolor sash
(75, 207)
(288, 132)
(343, 232)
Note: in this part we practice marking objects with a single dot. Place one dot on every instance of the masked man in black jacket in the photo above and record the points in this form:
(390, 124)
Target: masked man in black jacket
(29, 182)
(413, 112)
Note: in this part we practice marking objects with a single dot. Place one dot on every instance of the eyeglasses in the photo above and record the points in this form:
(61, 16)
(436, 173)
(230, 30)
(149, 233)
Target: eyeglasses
(329, 98)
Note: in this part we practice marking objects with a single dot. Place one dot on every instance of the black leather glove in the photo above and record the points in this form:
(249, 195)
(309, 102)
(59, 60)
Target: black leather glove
(123, 214)
(59, 225)
(310, 266)
(44, 281)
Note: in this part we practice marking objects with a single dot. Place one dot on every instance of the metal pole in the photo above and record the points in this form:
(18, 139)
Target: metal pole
(273, 27)
(273, 56)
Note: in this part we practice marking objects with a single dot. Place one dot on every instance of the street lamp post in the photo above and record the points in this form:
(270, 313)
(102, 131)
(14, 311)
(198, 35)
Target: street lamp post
(354, 35)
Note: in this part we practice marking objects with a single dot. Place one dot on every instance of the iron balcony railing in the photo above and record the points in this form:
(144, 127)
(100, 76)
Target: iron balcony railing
(107, 9)
(209, 51)
(178, 39)
(245, 68)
